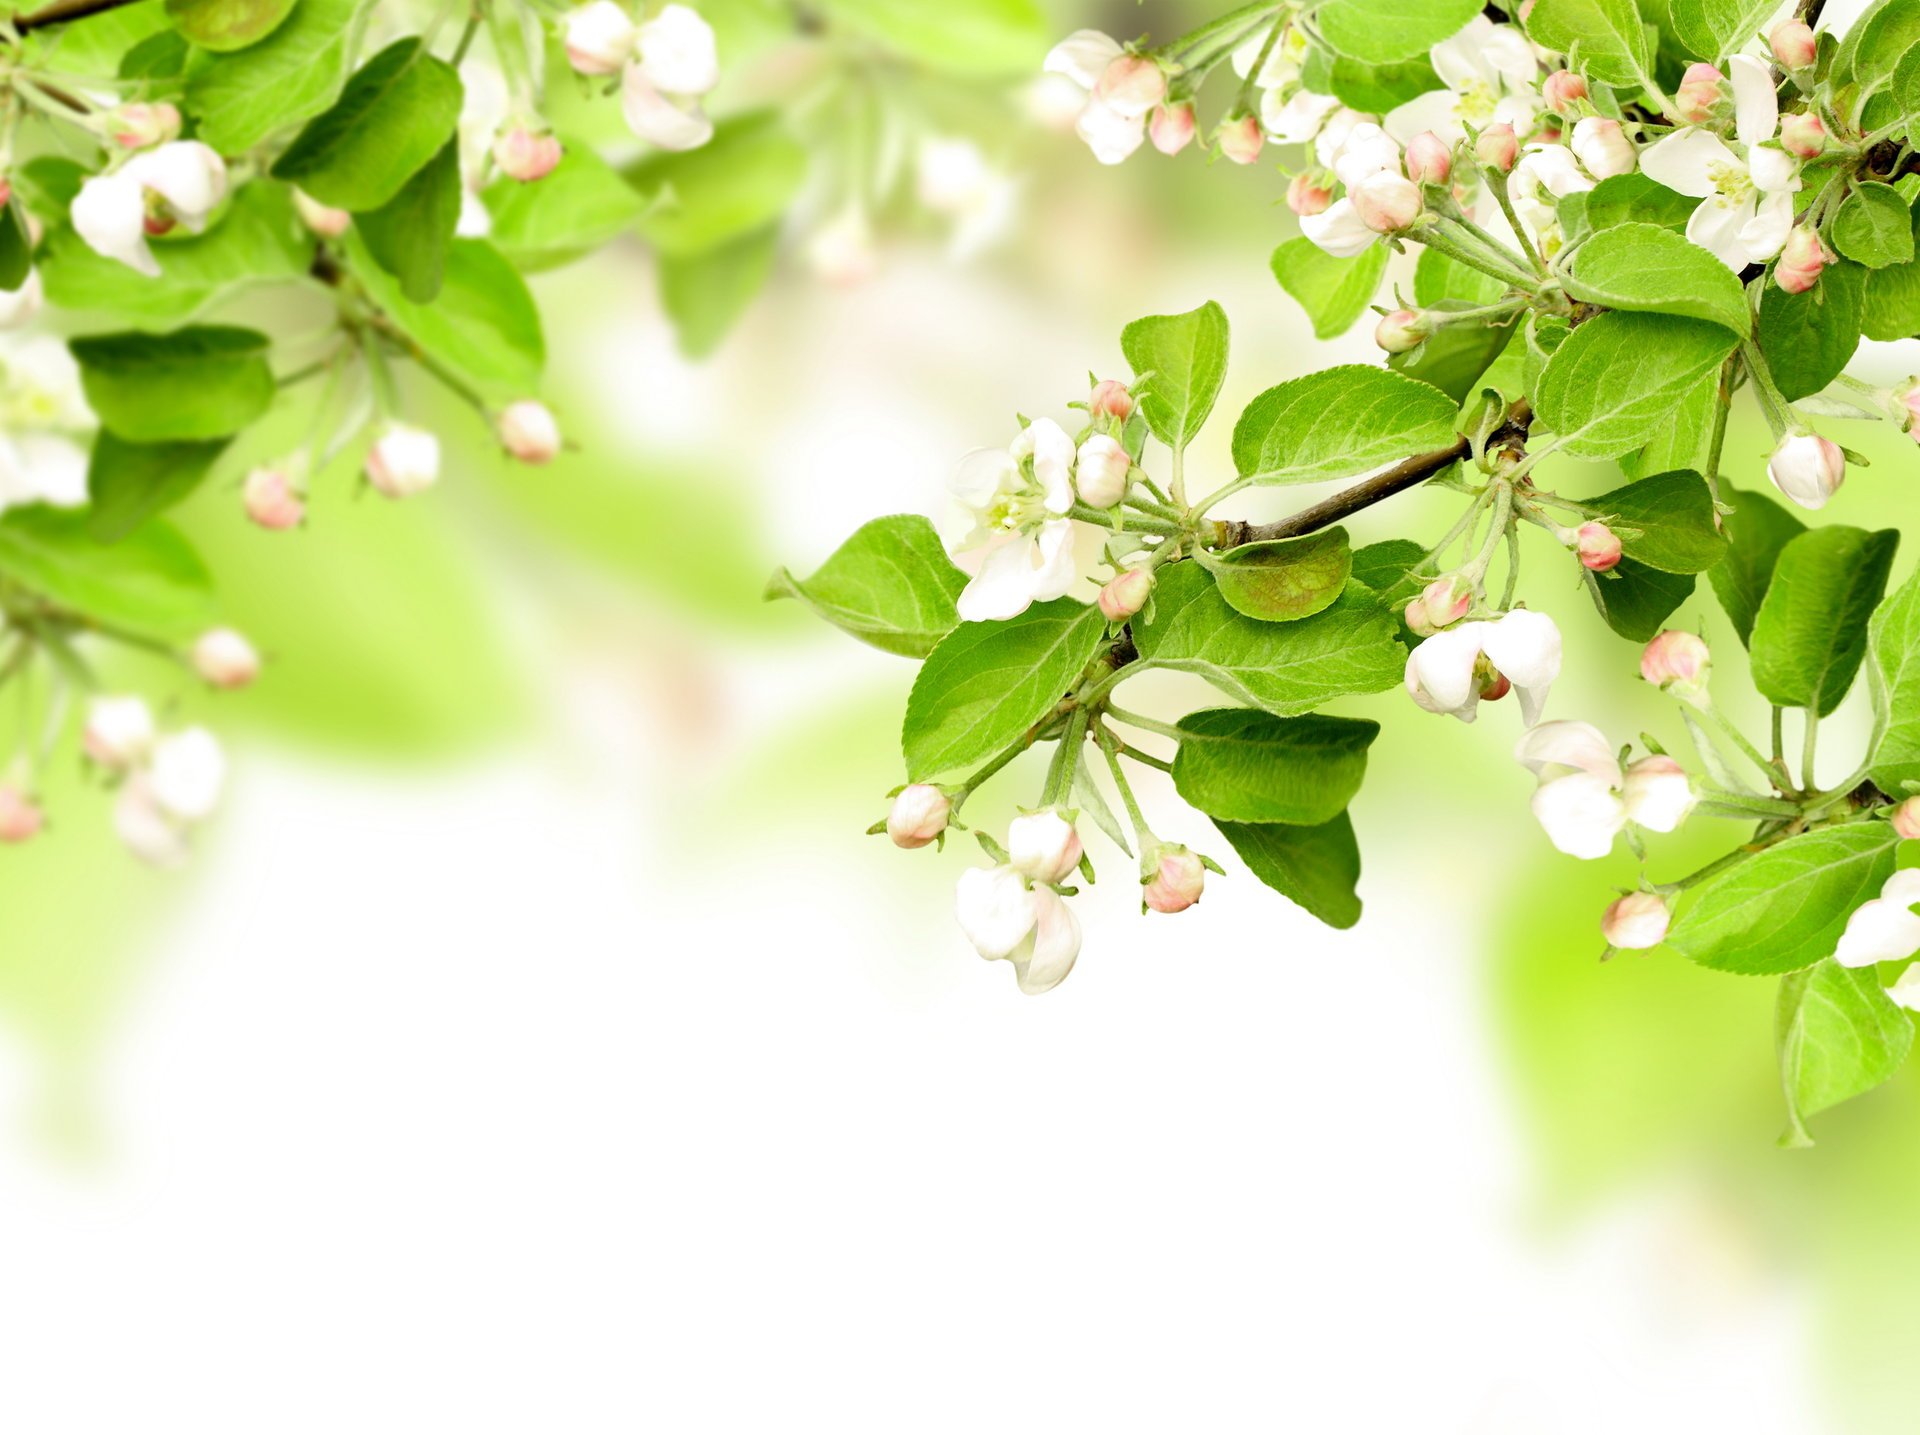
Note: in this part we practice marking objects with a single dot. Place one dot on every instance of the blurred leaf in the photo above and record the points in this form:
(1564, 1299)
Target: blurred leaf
(153, 582)
(962, 37)
(737, 183)
(1838, 1035)
(705, 294)
(127, 483)
(1380, 31)
(483, 324)
(393, 116)
(288, 78)
(221, 25)
(410, 235)
(201, 383)
(580, 206)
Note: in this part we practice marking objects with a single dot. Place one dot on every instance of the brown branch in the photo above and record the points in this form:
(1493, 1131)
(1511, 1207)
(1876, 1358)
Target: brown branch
(1403, 475)
(59, 12)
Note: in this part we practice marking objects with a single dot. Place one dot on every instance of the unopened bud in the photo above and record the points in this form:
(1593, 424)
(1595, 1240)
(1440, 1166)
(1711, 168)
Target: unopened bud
(272, 500)
(1699, 93)
(403, 461)
(141, 125)
(118, 733)
(1100, 471)
(918, 815)
(1309, 193)
(1240, 139)
(323, 219)
(599, 37)
(1111, 399)
(1494, 684)
(225, 659)
(1909, 401)
(1906, 819)
(524, 155)
(1177, 879)
(1678, 660)
(527, 430)
(1172, 127)
(1603, 147)
(1447, 600)
(1802, 258)
(20, 816)
(1794, 44)
(1126, 595)
(6, 193)
(1807, 468)
(1043, 845)
(1497, 148)
(1429, 158)
(1415, 617)
(1636, 921)
(1598, 546)
(1386, 202)
(1563, 90)
(1131, 85)
(1803, 135)
(1401, 331)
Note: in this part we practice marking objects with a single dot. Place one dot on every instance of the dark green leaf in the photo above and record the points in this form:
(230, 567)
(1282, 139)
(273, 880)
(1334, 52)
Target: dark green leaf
(1635, 199)
(16, 249)
(1636, 600)
(1387, 567)
(1756, 530)
(1807, 338)
(127, 483)
(394, 115)
(410, 234)
(891, 584)
(1811, 631)
(1673, 513)
(1454, 359)
(1874, 227)
(1243, 765)
(1316, 867)
(199, 383)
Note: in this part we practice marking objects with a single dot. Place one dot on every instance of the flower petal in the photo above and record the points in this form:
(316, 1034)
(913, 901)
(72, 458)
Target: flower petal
(1056, 943)
(1053, 568)
(1878, 931)
(1580, 812)
(1440, 674)
(1082, 57)
(1715, 226)
(1756, 108)
(1338, 230)
(1553, 748)
(1684, 161)
(995, 910)
(110, 213)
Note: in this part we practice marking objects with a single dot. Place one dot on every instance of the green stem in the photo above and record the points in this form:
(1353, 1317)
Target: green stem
(1146, 724)
(1721, 408)
(1747, 804)
(1139, 524)
(1066, 760)
(1809, 738)
(1142, 834)
(1434, 237)
(1737, 738)
(1498, 184)
(1225, 491)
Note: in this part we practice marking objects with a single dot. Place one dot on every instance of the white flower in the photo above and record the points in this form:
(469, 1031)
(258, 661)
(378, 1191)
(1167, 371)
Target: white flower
(1338, 230)
(1489, 72)
(1020, 496)
(1807, 468)
(1603, 147)
(119, 732)
(178, 183)
(1100, 471)
(656, 118)
(148, 832)
(1113, 125)
(528, 430)
(676, 51)
(1636, 921)
(599, 37)
(225, 659)
(954, 179)
(840, 251)
(1584, 799)
(1906, 991)
(1298, 118)
(186, 775)
(1043, 845)
(1283, 60)
(1443, 673)
(1747, 204)
(1006, 920)
(1545, 173)
(403, 461)
(918, 815)
(1884, 929)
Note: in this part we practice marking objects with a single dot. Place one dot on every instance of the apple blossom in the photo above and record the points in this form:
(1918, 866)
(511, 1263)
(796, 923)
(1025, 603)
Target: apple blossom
(1447, 599)
(1387, 203)
(524, 155)
(1489, 72)
(403, 461)
(1131, 85)
(1905, 991)
(178, 183)
(1309, 193)
(1112, 128)
(840, 252)
(1172, 127)
(1803, 135)
(1299, 118)
(919, 814)
(675, 63)
(1111, 399)
(1240, 139)
(186, 773)
(1584, 799)
(1793, 44)
(1747, 208)
(20, 816)
(140, 125)
(1636, 921)
(1807, 468)
(225, 659)
(1885, 928)
(1563, 90)
(1043, 845)
(599, 37)
(323, 219)
(1598, 547)
(1429, 158)
(272, 499)
(527, 429)
(1657, 793)
(1100, 471)
(1401, 332)
(1906, 819)
(1020, 496)
(43, 418)
(1602, 147)
(1906, 403)
(1801, 260)
(145, 828)
(1126, 595)
(1445, 673)
(118, 732)
(1007, 920)
(1175, 879)
(1699, 94)
(1676, 660)
(1497, 147)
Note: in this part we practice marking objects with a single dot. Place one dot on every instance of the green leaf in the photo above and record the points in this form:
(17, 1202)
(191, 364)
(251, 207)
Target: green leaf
(410, 234)
(1684, 437)
(1286, 668)
(1838, 1034)
(1756, 530)
(1811, 631)
(891, 584)
(1807, 338)
(736, 184)
(1377, 31)
(127, 483)
(1636, 600)
(1374, 89)
(974, 38)
(1387, 567)
(1338, 423)
(483, 323)
(1316, 867)
(1334, 292)
(286, 79)
(1635, 199)
(1874, 226)
(198, 383)
(1454, 358)
(16, 248)
(1715, 29)
(1645, 268)
(153, 583)
(1186, 355)
(705, 294)
(580, 206)
(1893, 677)
(394, 115)
(1243, 765)
(1867, 59)
(1284, 579)
(1673, 513)
(1607, 388)
(1612, 39)
(1785, 907)
(221, 25)
(1436, 279)
(986, 683)
(1890, 306)
(158, 57)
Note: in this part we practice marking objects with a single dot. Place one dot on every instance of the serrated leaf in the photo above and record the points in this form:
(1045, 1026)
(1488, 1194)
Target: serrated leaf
(1317, 868)
(200, 383)
(1635, 199)
(1380, 31)
(153, 583)
(1387, 567)
(1607, 388)
(1455, 358)
(286, 79)
(1645, 268)
(1284, 579)
(1838, 1034)
(393, 116)
(1684, 436)
(1612, 38)
(1339, 423)
(1674, 517)
(1756, 530)
(891, 584)
(1334, 292)
(1874, 226)
(1807, 338)
(1186, 356)
(1811, 631)
(1715, 29)
(1893, 677)
(127, 483)
(1243, 765)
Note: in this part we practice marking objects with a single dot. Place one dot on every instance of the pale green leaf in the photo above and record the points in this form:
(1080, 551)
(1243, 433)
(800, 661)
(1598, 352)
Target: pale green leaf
(1339, 423)
(891, 584)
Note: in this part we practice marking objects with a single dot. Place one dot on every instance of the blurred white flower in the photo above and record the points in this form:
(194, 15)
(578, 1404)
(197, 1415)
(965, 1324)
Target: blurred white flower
(1121, 90)
(403, 461)
(599, 37)
(44, 422)
(676, 62)
(179, 183)
(954, 180)
(118, 732)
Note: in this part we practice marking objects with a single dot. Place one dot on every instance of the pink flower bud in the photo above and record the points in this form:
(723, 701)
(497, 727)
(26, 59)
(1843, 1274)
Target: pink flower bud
(1240, 139)
(1563, 90)
(524, 155)
(1131, 85)
(1386, 202)
(1126, 595)
(1401, 331)
(1603, 147)
(140, 125)
(1906, 819)
(403, 461)
(1171, 128)
(1100, 471)
(20, 816)
(1676, 659)
(918, 815)
(1803, 135)
(1598, 547)
(1309, 193)
(1636, 921)
(323, 219)
(527, 430)
(1699, 93)
(1497, 148)
(1909, 399)
(1415, 617)
(1801, 260)
(1178, 878)
(1111, 399)
(271, 499)
(1429, 158)
(1794, 44)
(1807, 468)
(118, 733)
(1447, 600)
(599, 37)
(225, 659)
(1043, 845)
